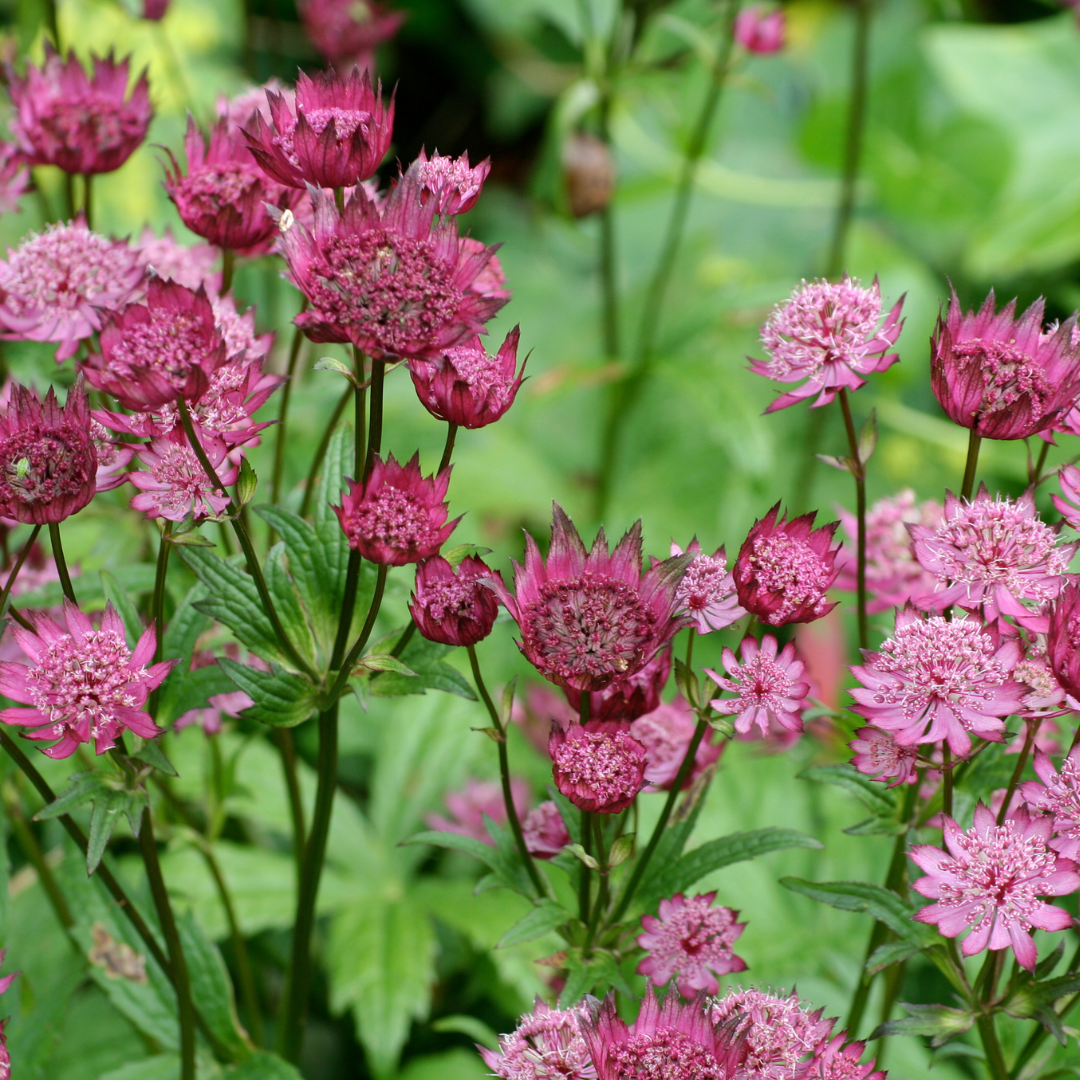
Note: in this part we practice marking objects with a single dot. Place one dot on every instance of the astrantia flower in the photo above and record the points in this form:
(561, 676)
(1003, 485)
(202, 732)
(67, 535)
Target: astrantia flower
(784, 569)
(84, 124)
(1063, 639)
(477, 800)
(627, 698)
(189, 265)
(82, 684)
(1058, 794)
(348, 31)
(451, 605)
(1069, 506)
(545, 831)
(830, 336)
(175, 484)
(15, 178)
(1046, 696)
(546, 1045)
(990, 881)
(707, 589)
(47, 455)
(397, 516)
(841, 1061)
(768, 686)
(666, 733)
(879, 756)
(590, 618)
(390, 280)
(690, 942)
(760, 31)
(598, 767)
(56, 284)
(112, 457)
(451, 183)
(333, 134)
(1000, 375)
(467, 387)
(939, 679)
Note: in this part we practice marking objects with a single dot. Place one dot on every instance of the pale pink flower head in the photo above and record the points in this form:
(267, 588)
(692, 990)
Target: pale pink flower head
(15, 179)
(546, 1045)
(81, 684)
(397, 516)
(175, 485)
(349, 31)
(879, 756)
(666, 733)
(452, 605)
(599, 767)
(990, 879)
(590, 618)
(628, 698)
(784, 569)
(545, 831)
(451, 183)
(477, 800)
(48, 456)
(55, 285)
(690, 942)
(760, 31)
(1063, 639)
(189, 265)
(490, 281)
(767, 685)
(707, 589)
(830, 336)
(1058, 794)
(840, 1060)
(83, 124)
(467, 387)
(333, 134)
(1069, 506)
(1000, 375)
(1045, 697)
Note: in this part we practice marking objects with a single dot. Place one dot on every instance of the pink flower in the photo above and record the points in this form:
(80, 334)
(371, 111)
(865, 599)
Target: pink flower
(691, 942)
(451, 605)
(840, 1061)
(396, 516)
(1000, 375)
(939, 679)
(784, 568)
(240, 110)
(545, 831)
(1058, 794)
(1063, 639)
(599, 767)
(82, 683)
(348, 31)
(82, 124)
(333, 135)
(1045, 694)
(1067, 507)
(546, 1044)
(176, 485)
(628, 698)
(155, 9)
(760, 31)
(829, 335)
(768, 688)
(588, 619)
(879, 756)
(666, 733)
(48, 456)
(5, 1057)
(56, 284)
(468, 387)
(990, 881)
(451, 183)
(477, 800)
(232, 703)
(417, 298)
(191, 266)
(15, 179)
(707, 589)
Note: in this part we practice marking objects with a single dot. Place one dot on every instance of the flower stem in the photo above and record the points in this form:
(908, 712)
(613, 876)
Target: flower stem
(61, 563)
(358, 646)
(287, 749)
(946, 779)
(375, 422)
(602, 894)
(585, 880)
(995, 1059)
(32, 849)
(858, 472)
(609, 284)
(157, 608)
(228, 262)
(10, 583)
(1021, 761)
(283, 413)
(972, 464)
(320, 452)
(86, 206)
(448, 448)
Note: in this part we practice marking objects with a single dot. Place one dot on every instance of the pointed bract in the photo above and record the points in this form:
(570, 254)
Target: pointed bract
(451, 605)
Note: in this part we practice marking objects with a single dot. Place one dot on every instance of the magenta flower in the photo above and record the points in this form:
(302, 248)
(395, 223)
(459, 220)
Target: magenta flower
(84, 124)
(828, 335)
(112, 457)
(1058, 795)
(784, 568)
(451, 605)
(468, 387)
(191, 266)
(691, 942)
(396, 516)
(5, 1057)
(1063, 639)
(879, 756)
(82, 684)
(590, 618)
(666, 733)
(48, 456)
(760, 31)
(546, 1044)
(449, 182)
(990, 880)
(1000, 375)
(333, 135)
(599, 767)
(545, 831)
(768, 687)
(477, 800)
(56, 284)
(348, 31)
(838, 1060)
(175, 484)
(707, 589)
(1069, 506)
(939, 679)
(15, 179)
(628, 698)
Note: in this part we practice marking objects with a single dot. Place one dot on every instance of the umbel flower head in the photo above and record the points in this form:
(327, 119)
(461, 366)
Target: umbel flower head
(48, 456)
(546, 1045)
(990, 881)
(451, 605)
(348, 31)
(175, 484)
(1058, 794)
(1063, 639)
(1000, 375)
(545, 831)
(840, 1060)
(590, 618)
(599, 767)
(707, 589)
(760, 31)
(830, 336)
(768, 686)
(81, 684)
(879, 756)
(188, 265)
(451, 183)
(83, 124)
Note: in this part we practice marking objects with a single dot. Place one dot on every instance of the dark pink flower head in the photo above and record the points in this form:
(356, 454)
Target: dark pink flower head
(879, 756)
(590, 618)
(390, 280)
(784, 569)
(48, 456)
(938, 679)
(223, 197)
(707, 589)
(545, 831)
(189, 265)
(627, 698)
(1063, 639)
(155, 352)
(673, 1040)
(599, 767)
(451, 183)
(397, 516)
(666, 733)
(451, 605)
(841, 1060)
(84, 124)
(15, 179)
(768, 686)
(56, 285)
(333, 134)
(1058, 794)
(348, 31)
(175, 485)
(830, 336)
(546, 1045)
(990, 881)
(82, 684)
(691, 942)
(468, 387)
(477, 800)
(760, 31)
(1000, 375)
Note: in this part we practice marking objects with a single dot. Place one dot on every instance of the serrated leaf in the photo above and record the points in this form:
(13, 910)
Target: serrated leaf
(892, 952)
(546, 916)
(872, 794)
(596, 973)
(337, 465)
(184, 629)
(187, 690)
(151, 752)
(105, 816)
(940, 1022)
(83, 787)
(505, 872)
(286, 599)
(279, 698)
(864, 896)
(425, 659)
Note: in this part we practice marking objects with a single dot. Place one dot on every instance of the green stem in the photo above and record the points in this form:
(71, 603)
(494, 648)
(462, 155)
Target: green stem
(858, 472)
(1021, 761)
(320, 452)
(87, 206)
(157, 609)
(345, 671)
(609, 285)
(228, 263)
(972, 464)
(283, 413)
(375, 425)
(32, 850)
(61, 563)
(995, 1059)
(448, 448)
(287, 749)
(10, 583)
(584, 881)
(1038, 1036)
(602, 889)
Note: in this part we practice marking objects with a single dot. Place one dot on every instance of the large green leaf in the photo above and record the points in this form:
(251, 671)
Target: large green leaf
(211, 988)
(280, 698)
(865, 896)
(425, 659)
(186, 690)
(287, 602)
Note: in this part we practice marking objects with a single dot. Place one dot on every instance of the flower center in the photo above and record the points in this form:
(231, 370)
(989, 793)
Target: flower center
(792, 570)
(213, 187)
(447, 597)
(346, 122)
(704, 583)
(392, 517)
(600, 765)
(666, 1055)
(179, 470)
(480, 371)
(94, 119)
(41, 466)
(1007, 375)
(171, 343)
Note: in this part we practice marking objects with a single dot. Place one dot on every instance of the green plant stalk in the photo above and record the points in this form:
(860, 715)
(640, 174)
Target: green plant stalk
(995, 1059)
(375, 420)
(283, 415)
(61, 563)
(1025, 751)
(448, 447)
(858, 472)
(228, 264)
(10, 583)
(1035, 469)
(320, 452)
(287, 749)
(602, 888)
(585, 879)
(972, 464)
(157, 605)
(609, 285)
(32, 850)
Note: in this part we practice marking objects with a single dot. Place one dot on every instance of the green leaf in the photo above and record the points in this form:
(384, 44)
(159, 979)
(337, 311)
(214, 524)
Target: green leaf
(875, 796)
(878, 825)
(595, 974)
(385, 662)
(938, 1021)
(186, 690)
(246, 483)
(864, 896)
(137, 578)
(456, 555)
(286, 599)
(262, 1065)
(120, 599)
(150, 752)
(546, 916)
(338, 465)
(280, 698)
(507, 870)
(184, 629)
(425, 659)
(476, 1030)
(892, 952)
(667, 853)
